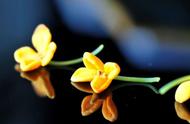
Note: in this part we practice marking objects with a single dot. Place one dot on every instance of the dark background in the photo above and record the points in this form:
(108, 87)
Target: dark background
(20, 105)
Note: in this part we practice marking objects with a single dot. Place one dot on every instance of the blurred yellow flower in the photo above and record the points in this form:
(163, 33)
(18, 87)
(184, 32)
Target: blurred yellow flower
(183, 92)
(95, 71)
(30, 59)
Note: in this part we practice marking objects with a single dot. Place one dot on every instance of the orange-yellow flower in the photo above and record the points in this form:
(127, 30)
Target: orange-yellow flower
(30, 59)
(99, 75)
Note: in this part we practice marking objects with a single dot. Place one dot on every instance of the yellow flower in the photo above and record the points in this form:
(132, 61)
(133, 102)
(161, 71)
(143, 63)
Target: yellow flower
(40, 80)
(30, 59)
(99, 75)
(183, 92)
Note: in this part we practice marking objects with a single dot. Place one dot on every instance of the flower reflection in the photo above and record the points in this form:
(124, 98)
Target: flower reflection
(182, 111)
(92, 103)
(40, 80)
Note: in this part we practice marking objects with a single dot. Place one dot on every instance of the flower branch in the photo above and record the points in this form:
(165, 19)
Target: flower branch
(75, 61)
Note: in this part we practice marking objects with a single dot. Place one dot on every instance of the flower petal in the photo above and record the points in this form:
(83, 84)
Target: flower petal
(28, 58)
(109, 109)
(112, 69)
(41, 38)
(83, 75)
(84, 87)
(87, 107)
(182, 93)
(49, 54)
(24, 53)
(30, 65)
(92, 62)
(100, 82)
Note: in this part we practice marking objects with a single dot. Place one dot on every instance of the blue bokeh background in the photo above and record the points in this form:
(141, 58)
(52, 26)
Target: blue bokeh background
(139, 45)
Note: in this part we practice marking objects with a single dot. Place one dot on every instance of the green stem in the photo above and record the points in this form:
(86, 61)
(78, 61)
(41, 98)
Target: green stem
(135, 84)
(173, 83)
(138, 79)
(75, 61)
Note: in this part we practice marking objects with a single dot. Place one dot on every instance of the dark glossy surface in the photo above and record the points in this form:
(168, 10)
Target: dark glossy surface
(136, 104)
(20, 105)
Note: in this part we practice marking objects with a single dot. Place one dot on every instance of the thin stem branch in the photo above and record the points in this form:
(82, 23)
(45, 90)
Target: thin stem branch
(173, 83)
(75, 61)
(138, 79)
